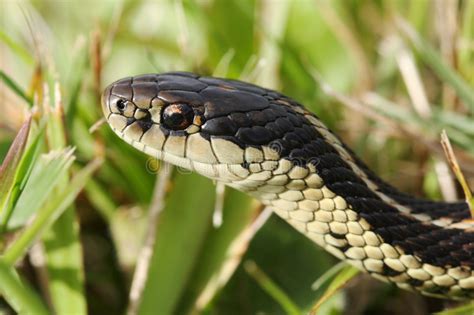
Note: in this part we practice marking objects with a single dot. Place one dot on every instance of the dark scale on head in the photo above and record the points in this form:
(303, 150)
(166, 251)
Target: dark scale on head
(221, 126)
(145, 124)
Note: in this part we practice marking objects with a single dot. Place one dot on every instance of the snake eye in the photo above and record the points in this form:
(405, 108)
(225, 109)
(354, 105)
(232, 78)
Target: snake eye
(177, 116)
(121, 104)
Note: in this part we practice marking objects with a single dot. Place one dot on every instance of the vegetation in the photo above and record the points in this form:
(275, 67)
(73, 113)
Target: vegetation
(90, 225)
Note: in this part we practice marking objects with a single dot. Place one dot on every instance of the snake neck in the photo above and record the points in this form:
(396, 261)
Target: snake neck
(337, 202)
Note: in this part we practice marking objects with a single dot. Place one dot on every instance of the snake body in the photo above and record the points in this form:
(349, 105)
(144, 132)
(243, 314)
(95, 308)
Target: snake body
(269, 146)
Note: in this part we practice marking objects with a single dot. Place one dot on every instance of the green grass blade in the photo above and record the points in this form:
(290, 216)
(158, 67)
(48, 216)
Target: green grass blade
(342, 277)
(18, 294)
(459, 127)
(15, 87)
(45, 175)
(272, 288)
(8, 169)
(445, 72)
(75, 82)
(64, 262)
(100, 198)
(23, 172)
(62, 246)
(48, 214)
(454, 120)
(465, 52)
(16, 48)
(137, 179)
(182, 228)
(328, 275)
(239, 211)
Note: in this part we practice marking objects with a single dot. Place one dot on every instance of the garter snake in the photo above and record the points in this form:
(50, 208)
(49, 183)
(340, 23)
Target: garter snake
(269, 146)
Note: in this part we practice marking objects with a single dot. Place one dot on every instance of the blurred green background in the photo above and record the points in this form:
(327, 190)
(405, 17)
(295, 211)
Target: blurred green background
(387, 76)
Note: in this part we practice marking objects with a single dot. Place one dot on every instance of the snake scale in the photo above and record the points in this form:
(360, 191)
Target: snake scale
(268, 145)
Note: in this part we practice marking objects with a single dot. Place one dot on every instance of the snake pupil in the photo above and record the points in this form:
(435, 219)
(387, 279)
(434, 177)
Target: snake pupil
(121, 104)
(177, 116)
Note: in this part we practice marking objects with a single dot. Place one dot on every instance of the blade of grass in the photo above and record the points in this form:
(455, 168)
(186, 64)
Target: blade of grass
(328, 275)
(465, 52)
(413, 83)
(75, 82)
(8, 169)
(128, 163)
(64, 265)
(271, 288)
(44, 177)
(223, 250)
(457, 121)
(433, 59)
(101, 199)
(144, 258)
(182, 228)
(62, 245)
(18, 294)
(423, 129)
(23, 172)
(222, 67)
(341, 279)
(96, 60)
(342, 28)
(453, 162)
(16, 48)
(48, 214)
(15, 87)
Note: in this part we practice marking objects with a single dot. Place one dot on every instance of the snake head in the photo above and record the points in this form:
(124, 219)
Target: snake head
(155, 113)
(205, 124)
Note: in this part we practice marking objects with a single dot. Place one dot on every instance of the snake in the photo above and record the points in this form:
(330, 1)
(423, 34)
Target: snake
(271, 147)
